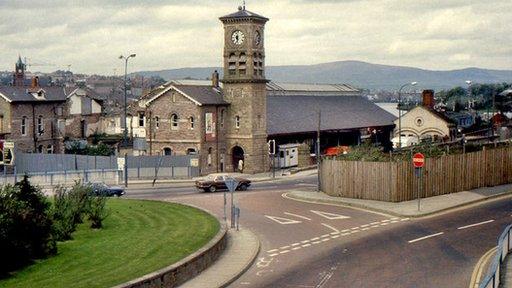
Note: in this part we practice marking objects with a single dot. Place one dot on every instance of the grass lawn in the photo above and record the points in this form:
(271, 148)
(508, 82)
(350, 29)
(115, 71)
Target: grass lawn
(138, 237)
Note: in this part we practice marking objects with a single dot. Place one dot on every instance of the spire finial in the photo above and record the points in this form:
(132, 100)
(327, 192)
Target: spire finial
(243, 5)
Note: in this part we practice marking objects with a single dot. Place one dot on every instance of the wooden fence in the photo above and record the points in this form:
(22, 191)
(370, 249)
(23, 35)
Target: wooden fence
(396, 181)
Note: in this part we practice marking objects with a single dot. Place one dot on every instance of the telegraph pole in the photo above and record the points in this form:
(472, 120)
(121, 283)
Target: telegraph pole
(318, 158)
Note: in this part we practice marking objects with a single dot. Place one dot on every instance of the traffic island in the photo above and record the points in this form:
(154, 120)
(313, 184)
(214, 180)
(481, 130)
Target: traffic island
(138, 237)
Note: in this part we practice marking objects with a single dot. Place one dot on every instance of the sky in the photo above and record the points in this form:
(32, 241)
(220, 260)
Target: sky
(90, 35)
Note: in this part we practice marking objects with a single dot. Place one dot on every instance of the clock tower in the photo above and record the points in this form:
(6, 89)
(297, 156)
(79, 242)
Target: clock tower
(245, 89)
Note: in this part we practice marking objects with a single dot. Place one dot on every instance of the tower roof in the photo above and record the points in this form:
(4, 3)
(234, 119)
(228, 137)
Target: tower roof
(243, 14)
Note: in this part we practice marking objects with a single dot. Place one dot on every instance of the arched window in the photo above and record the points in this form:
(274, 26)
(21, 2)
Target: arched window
(237, 121)
(192, 123)
(167, 151)
(174, 121)
(232, 64)
(40, 126)
(24, 126)
(191, 151)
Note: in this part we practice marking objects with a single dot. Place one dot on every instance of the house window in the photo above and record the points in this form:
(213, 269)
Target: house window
(192, 123)
(208, 118)
(40, 149)
(222, 118)
(167, 151)
(237, 121)
(191, 151)
(174, 121)
(141, 119)
(49, 149)
(157, 122)
(173, 98)
(209, 160)
(40, 126)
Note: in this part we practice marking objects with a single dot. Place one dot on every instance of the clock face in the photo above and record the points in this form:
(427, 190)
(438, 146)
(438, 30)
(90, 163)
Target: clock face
(257, 38)
(238, 37)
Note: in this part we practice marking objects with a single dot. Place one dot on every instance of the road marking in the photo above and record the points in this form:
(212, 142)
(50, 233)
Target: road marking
(345, 234)
(330, 216)
(317, 242)
(385, 220)
(283, 221)
(296, 248)
(346, 230)
(365, 225)
(375, 226)
(476, 224)
(476, 276)
(284, 252)
(384, 224)
(364, 229)
(355, 231)
(273, 255)
(306, 245)
(325, 235)
(316, 238)
(374, 223)
(298, 216)
(273, 250)
(285, 247)
(404, 219)
(355, 228)
(305, 241)
(425, 237)
(295, 244)
(245, 283)
(326, 239)
(336, 236)
(330, 227)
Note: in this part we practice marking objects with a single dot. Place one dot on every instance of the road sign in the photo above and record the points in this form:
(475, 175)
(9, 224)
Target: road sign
(231, 184)
(418, 160)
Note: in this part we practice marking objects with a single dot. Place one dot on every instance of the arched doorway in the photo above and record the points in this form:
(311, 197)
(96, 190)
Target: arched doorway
(167, 151)
(238, 155)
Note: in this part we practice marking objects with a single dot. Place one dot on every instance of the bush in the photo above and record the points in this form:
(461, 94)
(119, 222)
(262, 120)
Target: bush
(69, 206)
(97, 212)
(26, 226)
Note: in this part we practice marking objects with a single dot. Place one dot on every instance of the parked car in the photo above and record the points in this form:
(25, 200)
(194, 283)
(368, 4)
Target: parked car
(102, 189)
(218, 182)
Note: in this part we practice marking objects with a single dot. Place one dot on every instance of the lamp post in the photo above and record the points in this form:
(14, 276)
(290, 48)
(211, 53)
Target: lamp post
(400, 111)
(125, 132)
(469, 82)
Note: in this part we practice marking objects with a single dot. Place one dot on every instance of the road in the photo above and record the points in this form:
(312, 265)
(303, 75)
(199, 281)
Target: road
(316, 245)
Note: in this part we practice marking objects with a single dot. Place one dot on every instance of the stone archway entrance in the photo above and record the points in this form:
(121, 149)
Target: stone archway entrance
(238, 155)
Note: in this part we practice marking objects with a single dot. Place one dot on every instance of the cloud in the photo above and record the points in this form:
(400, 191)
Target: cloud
(91, 34)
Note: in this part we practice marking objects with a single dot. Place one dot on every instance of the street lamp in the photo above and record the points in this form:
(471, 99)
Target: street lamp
(125, 132)
(400, 111)
(469, 82)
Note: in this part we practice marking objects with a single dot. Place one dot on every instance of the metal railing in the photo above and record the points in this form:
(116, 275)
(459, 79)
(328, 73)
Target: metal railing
(492, 280)
(109, 176)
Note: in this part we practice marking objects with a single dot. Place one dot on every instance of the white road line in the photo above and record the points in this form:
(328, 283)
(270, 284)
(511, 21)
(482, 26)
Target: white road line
(325, 235)
(316, 238)
(273, 255)
(355, 228)
(364, 229)
(305, 245)
(345, 234)
(335, 233)
(346, 230)
(305, 241)
(394, 218)
(365, 225)
(387, 220)
(395, 221)
(336, 236)
(404, 219)
(273, 250)
(285, 247)
(296, 248)
(283, 221)
(298, 216)
(375, 226)
(374, 223)
(295, 244)
(355, 231)
(384, 224)
(326, 239)
(425, 237)
(330, 216)
(476, 224)
(317, 242)
(330, 227)
(284, 252)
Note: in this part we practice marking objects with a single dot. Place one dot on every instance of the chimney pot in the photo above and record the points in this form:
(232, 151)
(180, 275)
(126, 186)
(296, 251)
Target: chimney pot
(215, 79)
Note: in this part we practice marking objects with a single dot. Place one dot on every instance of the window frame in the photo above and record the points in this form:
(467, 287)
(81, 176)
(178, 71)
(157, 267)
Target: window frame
(40, 125)
(237, 122)
(175, 121)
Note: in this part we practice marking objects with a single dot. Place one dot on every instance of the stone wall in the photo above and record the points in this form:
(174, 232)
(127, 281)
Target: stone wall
(185, 269)
(304, 156)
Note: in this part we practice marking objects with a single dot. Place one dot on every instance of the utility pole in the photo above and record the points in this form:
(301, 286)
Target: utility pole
(125, 132)
(318, 158)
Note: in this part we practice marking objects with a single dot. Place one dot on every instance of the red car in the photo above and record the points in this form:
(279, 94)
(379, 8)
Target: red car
(218, 182)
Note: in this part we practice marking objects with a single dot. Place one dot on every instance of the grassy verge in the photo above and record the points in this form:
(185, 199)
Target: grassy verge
(138, 237)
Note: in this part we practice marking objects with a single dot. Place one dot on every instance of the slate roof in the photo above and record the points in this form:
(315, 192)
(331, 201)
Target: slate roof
(22, 93)
(298, 114)
(242, 13)
(206, 95)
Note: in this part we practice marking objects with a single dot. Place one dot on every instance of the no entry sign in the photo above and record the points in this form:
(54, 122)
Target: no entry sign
(418, 160)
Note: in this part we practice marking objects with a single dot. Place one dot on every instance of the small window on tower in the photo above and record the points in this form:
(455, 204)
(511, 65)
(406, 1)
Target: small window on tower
(237, 121)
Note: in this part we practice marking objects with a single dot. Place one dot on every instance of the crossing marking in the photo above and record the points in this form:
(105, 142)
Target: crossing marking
(330, 227)
(283, 221)
(330, 216)
(425, 237)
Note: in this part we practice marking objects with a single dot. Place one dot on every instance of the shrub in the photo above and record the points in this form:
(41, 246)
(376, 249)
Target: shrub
(26, 225)
(97, 212)
(68, 209)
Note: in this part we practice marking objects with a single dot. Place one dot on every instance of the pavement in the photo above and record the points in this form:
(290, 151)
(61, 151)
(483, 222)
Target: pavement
(242, 248)
(428, 206)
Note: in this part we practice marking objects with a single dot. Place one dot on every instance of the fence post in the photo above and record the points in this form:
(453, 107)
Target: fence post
(15, 174)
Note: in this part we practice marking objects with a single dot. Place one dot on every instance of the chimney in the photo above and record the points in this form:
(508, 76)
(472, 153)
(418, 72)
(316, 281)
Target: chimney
(35, 82)
(428, 99)
(215, 79)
